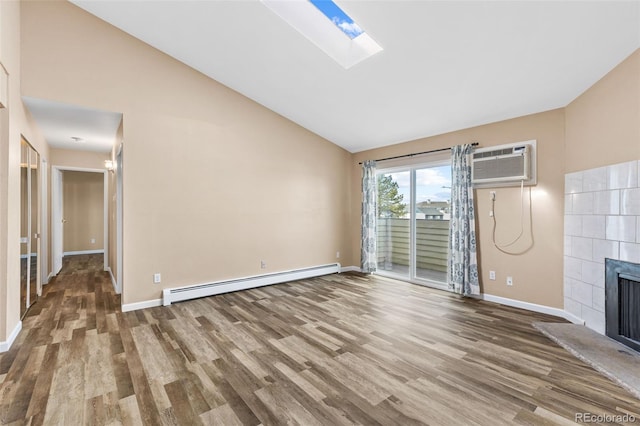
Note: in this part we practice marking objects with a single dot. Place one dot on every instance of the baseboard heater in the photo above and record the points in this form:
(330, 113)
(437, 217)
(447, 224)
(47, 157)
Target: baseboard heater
(178, 294)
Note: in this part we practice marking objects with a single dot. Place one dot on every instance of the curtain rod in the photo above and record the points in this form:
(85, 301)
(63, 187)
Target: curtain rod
(418, 153)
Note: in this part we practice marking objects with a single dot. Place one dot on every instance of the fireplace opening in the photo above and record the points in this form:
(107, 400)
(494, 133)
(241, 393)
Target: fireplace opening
(622, 306)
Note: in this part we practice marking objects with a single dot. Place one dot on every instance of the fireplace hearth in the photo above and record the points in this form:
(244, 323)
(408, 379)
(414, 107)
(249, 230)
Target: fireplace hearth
(622, 306)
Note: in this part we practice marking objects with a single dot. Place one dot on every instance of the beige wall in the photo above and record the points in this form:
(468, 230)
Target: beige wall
(15, 122)
(81, 159)
(532, 283)
(603, 124)
(213, 182)
(83, 211)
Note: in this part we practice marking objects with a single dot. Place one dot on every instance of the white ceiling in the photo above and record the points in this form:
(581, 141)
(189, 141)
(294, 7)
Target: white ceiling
(61, 123)
(446, 65)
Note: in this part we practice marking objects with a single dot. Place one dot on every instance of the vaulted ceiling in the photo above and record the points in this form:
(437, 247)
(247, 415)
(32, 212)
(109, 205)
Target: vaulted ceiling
(446, 65)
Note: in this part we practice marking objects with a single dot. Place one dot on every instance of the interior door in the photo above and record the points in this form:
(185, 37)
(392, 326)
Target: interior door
(29, 226)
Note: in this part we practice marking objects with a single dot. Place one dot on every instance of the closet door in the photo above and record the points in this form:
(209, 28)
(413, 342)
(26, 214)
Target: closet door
(25, 224)
(29, 226)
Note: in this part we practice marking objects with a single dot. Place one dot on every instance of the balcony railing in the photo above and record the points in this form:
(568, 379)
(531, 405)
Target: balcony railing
(431, 245)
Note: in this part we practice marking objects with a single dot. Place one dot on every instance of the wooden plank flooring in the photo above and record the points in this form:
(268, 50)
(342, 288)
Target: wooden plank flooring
(340, 349)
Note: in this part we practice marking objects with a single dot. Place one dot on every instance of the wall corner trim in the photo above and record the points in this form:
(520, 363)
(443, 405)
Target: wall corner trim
(113, 279)
(6, 345)
(141, 305)
(532, 307)
(574, 319)
(350, 269)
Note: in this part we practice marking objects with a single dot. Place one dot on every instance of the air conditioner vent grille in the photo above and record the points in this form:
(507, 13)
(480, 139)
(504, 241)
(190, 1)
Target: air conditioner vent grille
(500, 165)
(499, 168)
(486, 154)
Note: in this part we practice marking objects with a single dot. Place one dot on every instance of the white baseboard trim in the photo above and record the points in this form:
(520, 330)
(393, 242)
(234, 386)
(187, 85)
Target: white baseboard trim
(141, 305)
(6, 345)
(350, 269)
(543, 309)
(73, 253)
(209, 289)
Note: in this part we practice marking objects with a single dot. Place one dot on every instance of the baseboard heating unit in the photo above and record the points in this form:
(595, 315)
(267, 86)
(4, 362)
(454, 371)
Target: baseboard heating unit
(178, 294)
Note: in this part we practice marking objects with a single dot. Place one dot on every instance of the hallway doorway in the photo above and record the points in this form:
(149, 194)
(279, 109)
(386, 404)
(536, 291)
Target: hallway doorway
(80, 222)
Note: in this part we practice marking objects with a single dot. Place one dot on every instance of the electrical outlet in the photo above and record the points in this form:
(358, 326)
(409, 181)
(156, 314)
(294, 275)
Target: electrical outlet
(492, 195)
(490, 213)
(337, 255)
(492, 275)
(263, 264)
(157, 278)
(93, 241)
(509, 280)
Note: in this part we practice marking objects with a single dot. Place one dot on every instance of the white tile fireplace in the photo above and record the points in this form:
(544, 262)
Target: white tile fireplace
(602, 220)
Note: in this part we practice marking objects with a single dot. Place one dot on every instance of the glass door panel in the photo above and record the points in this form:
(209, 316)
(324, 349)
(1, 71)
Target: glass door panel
(394, 223)
(432, 213)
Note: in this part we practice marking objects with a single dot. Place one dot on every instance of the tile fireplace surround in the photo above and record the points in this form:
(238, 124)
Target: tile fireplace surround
(601, 220)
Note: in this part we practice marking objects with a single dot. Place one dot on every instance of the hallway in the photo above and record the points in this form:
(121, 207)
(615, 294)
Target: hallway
(77, 311)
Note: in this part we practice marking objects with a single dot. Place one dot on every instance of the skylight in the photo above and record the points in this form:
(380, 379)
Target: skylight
(325, 25)
(338, 17)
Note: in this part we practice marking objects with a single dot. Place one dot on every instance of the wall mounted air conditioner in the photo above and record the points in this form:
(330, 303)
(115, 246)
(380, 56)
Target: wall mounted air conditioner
(504, 165)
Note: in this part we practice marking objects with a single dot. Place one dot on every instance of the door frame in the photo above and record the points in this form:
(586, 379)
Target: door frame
(119, 212)
(57, 251)
(44, 231)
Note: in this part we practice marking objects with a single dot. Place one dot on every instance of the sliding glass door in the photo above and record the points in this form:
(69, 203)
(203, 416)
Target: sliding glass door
(394, 222)
(413, 222)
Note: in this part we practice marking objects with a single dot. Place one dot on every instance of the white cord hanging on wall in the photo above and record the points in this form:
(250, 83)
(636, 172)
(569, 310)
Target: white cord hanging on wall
(503, 247)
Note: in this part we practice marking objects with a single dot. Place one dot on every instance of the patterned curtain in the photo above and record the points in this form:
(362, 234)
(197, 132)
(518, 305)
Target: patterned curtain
(368, 258)
(463, 263)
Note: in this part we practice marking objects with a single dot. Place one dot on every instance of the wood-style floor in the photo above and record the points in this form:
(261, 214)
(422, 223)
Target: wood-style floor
(340, 349)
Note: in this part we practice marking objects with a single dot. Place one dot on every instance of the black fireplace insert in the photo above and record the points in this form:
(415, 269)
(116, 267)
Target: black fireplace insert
(622, 306)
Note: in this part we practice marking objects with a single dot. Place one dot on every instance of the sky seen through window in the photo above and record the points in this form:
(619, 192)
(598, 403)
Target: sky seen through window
(338, 17)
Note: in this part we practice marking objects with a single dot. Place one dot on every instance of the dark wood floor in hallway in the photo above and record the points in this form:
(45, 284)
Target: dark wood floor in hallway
(340, 349)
